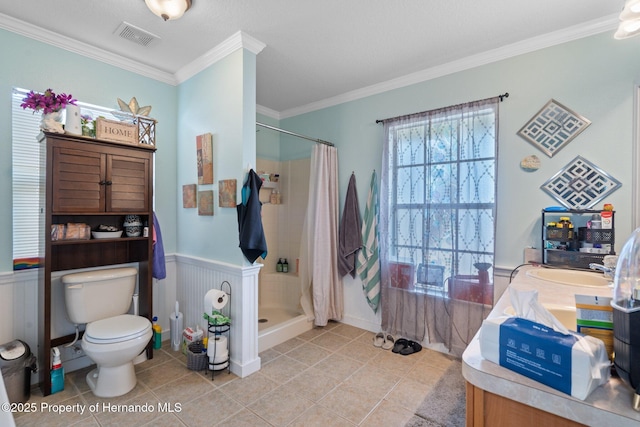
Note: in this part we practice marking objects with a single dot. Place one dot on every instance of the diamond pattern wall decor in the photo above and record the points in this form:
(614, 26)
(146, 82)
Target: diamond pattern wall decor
(580, 184)
(553, 127)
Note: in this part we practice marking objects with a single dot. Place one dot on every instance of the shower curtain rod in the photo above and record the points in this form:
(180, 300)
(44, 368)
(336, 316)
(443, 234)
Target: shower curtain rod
(320, 141)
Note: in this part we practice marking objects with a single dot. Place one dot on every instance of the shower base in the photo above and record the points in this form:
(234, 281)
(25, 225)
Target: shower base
(277, 325)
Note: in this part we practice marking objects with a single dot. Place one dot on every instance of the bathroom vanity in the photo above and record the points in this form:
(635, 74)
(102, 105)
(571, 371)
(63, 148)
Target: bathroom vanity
(91, 183)
(497, 396)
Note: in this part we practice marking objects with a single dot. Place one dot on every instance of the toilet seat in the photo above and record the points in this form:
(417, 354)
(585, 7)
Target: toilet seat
(116, 329)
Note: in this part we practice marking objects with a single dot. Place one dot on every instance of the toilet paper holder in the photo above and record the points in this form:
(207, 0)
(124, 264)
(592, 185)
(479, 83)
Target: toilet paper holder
(217, 308)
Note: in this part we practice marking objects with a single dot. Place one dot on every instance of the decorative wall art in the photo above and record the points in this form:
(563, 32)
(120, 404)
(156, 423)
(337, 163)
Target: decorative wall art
(580, 184)
(205, 203)
(189, 196)
(204, 146)
(530, 163)
(553, 127)
(227, 193)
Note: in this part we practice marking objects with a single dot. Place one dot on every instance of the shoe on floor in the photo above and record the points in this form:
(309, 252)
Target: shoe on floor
(389, 342)
(378, 340)
(400, 344)
(412, 347)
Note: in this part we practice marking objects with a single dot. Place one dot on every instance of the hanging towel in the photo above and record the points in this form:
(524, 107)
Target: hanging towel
(159, 269)
(368, 264)
(350, 231)
(252, 241)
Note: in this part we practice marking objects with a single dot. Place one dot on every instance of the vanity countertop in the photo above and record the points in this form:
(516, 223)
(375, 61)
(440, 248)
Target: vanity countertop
(609, 404)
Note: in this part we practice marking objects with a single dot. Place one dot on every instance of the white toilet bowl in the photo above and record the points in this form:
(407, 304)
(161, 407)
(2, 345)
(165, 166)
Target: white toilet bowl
(113, 343)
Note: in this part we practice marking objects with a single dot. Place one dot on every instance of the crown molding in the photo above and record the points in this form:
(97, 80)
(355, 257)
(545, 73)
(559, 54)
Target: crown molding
(609, 23)
(63, 42)
(236, 41)
(265, 111)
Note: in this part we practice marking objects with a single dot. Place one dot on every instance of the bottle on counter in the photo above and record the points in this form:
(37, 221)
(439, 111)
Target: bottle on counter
(285, 266)
(273, 199)
(279, 266)
(57, 372)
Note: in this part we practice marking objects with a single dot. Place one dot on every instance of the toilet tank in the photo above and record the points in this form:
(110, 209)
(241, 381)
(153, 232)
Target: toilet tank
(99, 294)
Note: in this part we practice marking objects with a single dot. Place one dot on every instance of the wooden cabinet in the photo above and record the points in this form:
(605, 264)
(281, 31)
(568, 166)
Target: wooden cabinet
(96, 183)
(486, 409)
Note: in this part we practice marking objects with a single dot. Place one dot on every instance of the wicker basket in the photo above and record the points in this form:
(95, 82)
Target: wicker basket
(197, 358)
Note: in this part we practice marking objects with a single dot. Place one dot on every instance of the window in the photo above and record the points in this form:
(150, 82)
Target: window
(441, 205)
(26, 177)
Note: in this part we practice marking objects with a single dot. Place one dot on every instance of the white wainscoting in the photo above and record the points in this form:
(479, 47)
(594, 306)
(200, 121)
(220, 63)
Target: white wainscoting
(195, 277)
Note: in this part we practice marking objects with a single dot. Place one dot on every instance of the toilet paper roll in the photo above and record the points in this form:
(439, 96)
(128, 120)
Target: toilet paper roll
(215, 299)
(219, 346)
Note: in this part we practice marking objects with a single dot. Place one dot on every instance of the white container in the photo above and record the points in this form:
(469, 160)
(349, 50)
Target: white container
(176, 324)
(73, 124)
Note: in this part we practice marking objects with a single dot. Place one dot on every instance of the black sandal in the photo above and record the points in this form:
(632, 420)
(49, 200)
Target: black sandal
(400, 345)
(412, 347)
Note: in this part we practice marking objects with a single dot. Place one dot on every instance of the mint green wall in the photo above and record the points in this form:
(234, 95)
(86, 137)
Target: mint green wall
(219, 100)
(267, 140)
(37, 66)
(594, 76)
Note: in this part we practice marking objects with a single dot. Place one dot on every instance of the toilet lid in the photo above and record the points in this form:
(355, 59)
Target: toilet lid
(116, 329)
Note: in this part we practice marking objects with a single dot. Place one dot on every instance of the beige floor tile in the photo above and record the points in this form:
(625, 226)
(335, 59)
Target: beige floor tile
(87, 422)
(268, 355)
(409, 393)
(361, 351)
(391, 361)
(282, 369)
(338, 366)
(159, 357)
(244, 418)
(184, 389)
(58, 413)
(288, 345)
(308, 353)
(98, 402)
(137, 411)
(350, 403)
(280, 406)
(388, 414)
(249, 389)
(311, 334)
(166, 420)
(375, 381)
(330, 341)
(208, 409)
(158, 375)
(348, 331)
(312, 384)
(319, 416)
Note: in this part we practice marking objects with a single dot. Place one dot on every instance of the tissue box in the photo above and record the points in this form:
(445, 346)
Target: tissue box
(572, 363)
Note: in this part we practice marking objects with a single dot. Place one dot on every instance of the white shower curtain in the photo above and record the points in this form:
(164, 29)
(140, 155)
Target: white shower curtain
(322, 296)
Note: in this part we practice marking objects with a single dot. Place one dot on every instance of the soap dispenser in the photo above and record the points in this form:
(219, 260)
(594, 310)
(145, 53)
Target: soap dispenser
(626, 315)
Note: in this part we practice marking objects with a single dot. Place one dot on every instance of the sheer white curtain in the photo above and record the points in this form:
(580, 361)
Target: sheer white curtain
(437, 222)
(322, 296)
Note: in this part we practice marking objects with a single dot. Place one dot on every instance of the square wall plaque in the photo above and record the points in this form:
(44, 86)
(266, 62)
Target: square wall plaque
(580, 184)
(553, 127)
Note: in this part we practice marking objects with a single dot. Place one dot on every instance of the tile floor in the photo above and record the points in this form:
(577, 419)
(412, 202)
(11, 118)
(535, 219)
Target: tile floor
(331, 376)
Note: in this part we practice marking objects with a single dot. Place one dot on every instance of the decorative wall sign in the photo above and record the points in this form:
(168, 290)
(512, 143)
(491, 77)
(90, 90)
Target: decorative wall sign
(553, 127)
(227, 193)
(205, 202)
(189, 196)
(204, 146)
(580, 184)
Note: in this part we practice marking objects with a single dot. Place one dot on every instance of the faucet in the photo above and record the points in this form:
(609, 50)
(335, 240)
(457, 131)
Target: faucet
(608, 271)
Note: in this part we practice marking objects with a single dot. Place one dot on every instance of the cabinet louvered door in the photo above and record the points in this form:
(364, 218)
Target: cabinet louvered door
(127, 190)
(79, 181)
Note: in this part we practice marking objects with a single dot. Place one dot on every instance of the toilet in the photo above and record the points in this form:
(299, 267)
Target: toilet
(112, 338)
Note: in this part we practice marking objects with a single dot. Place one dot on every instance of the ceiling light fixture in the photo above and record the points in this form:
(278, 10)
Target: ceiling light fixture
(168, 9)
(629, 20)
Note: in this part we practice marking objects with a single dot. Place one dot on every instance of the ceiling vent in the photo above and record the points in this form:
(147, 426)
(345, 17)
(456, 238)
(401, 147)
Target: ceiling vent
(135, 34)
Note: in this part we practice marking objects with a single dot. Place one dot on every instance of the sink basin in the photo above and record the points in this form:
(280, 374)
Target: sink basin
(569, 277)
(565, 314)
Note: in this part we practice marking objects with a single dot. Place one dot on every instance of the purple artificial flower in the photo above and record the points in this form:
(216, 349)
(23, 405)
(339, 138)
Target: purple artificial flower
(47, 102)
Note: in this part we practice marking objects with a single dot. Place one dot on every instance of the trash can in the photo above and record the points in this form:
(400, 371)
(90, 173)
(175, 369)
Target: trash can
(16, 364)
